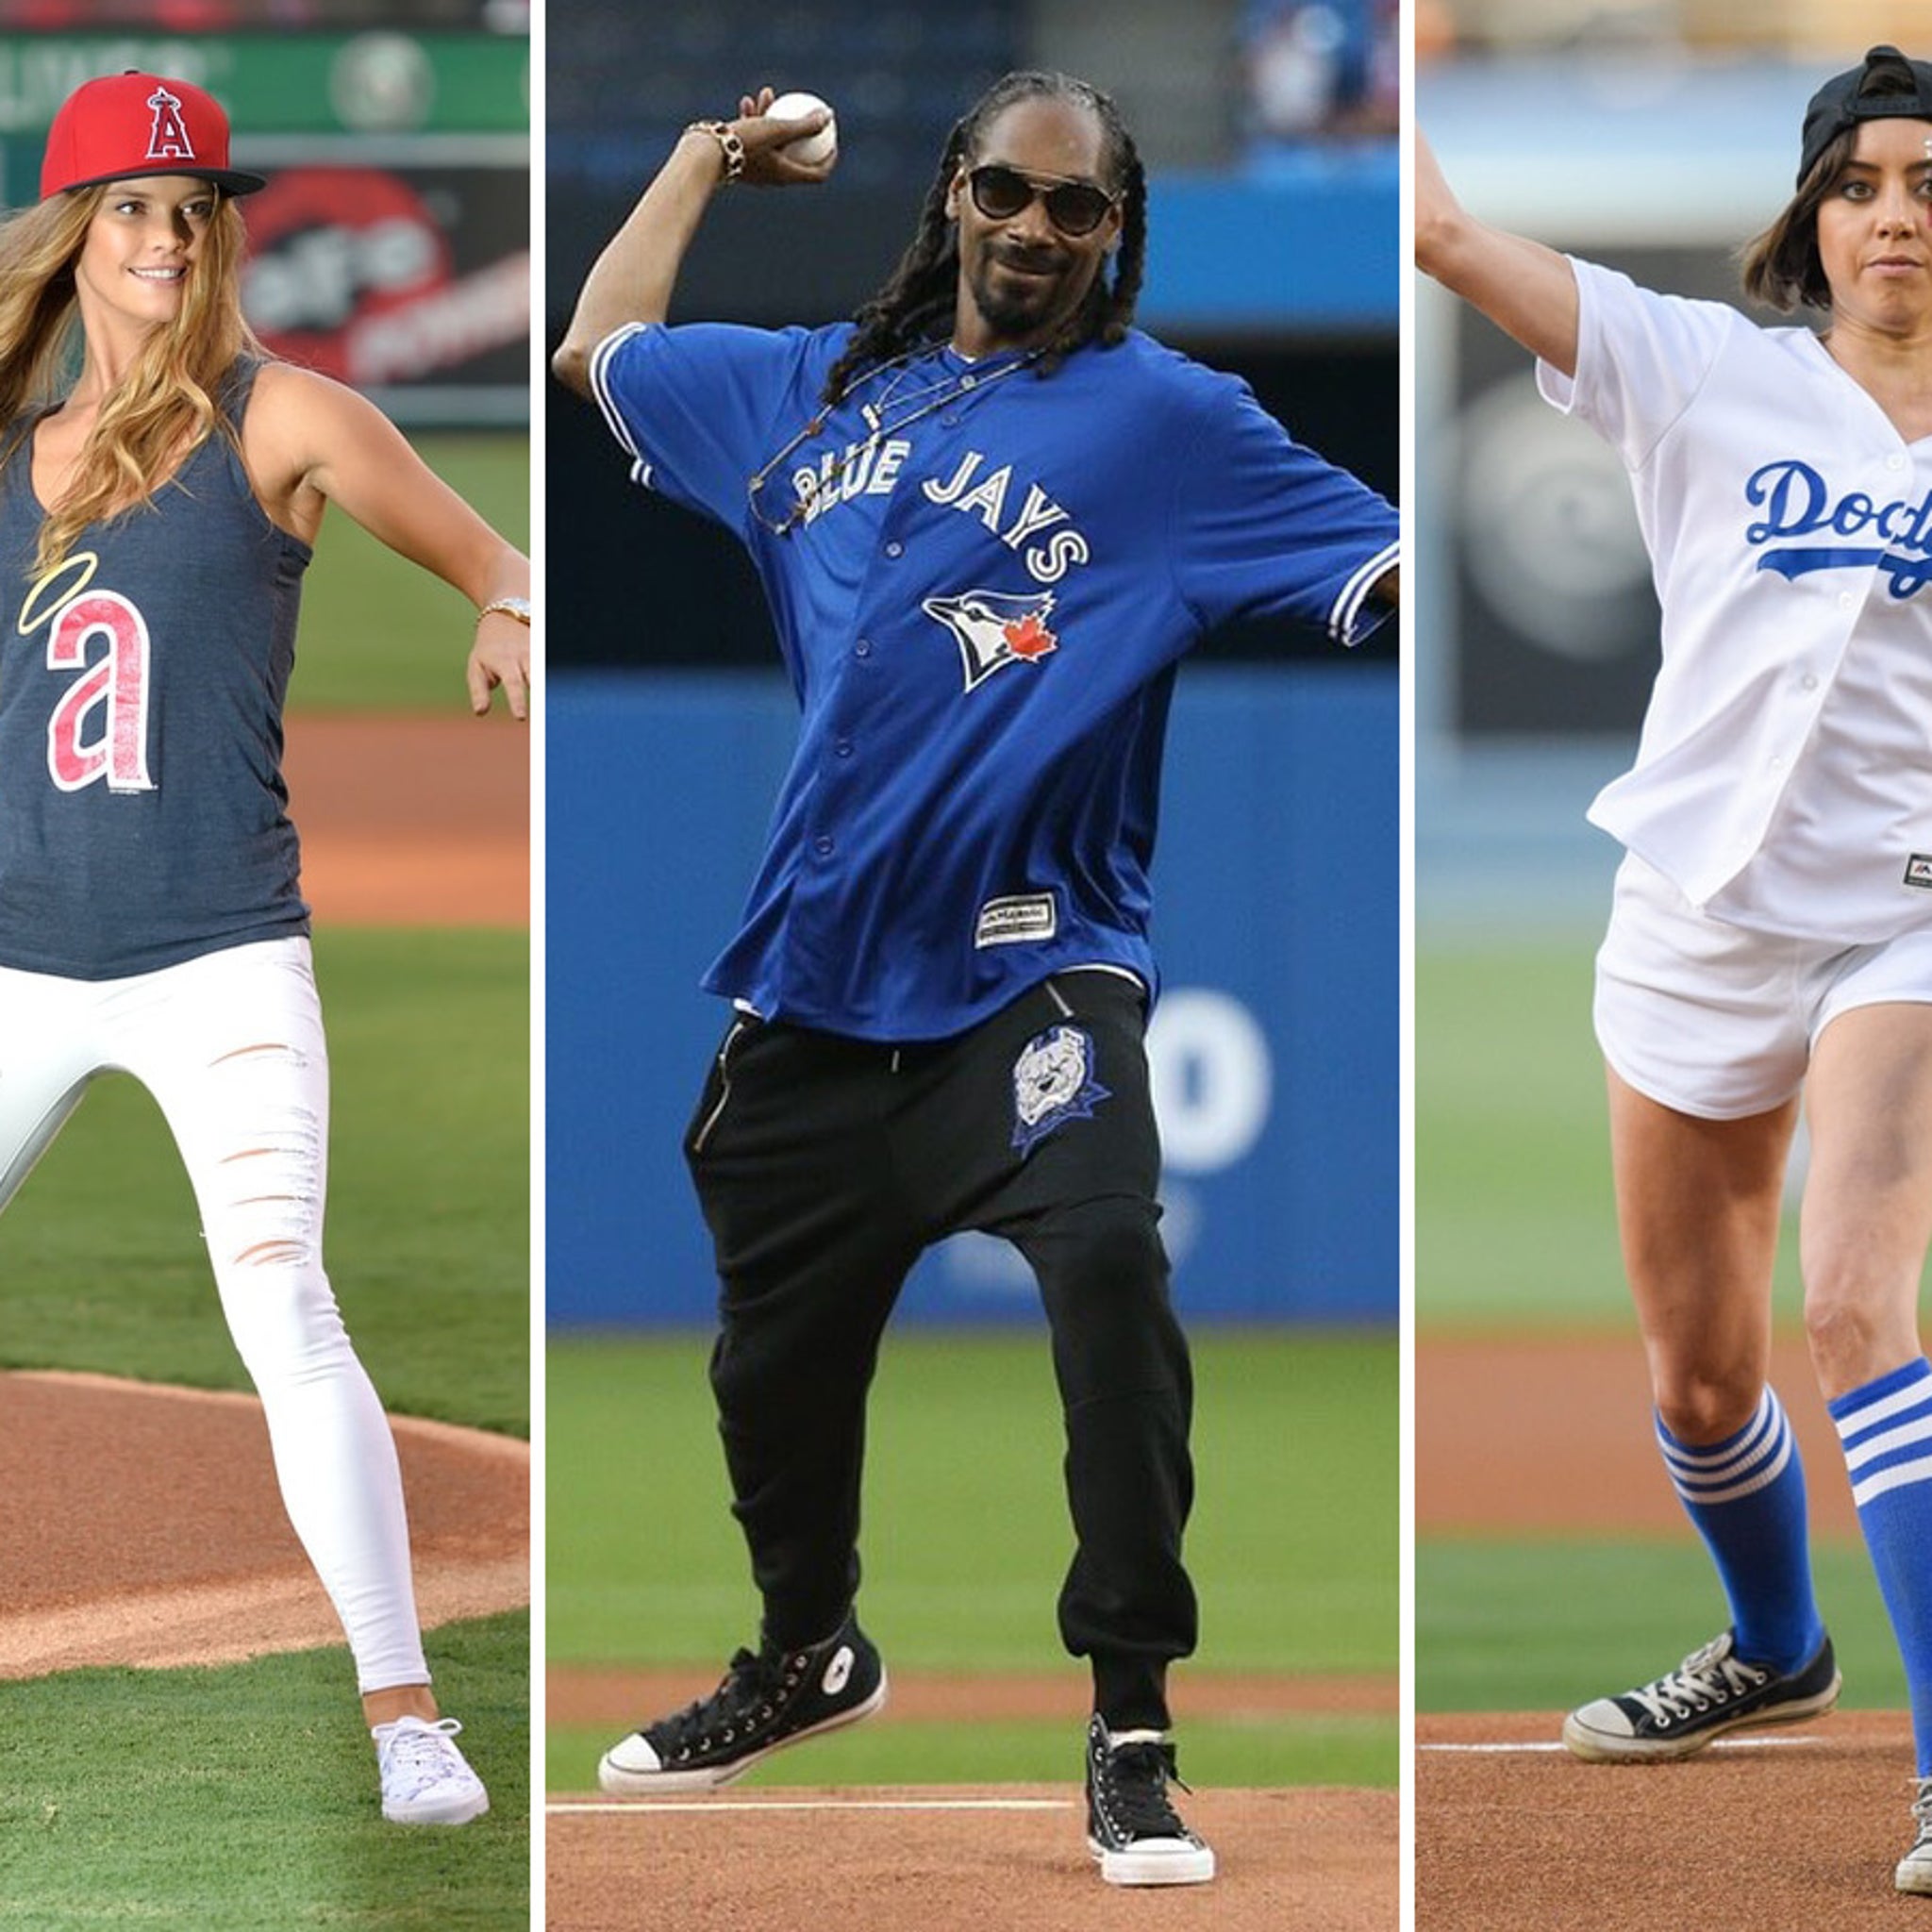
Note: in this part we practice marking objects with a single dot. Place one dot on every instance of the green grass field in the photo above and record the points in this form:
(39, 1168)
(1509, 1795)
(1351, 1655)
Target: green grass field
(378, 634)
(1292, 1546)
(1515, 1229)
(244, 1797)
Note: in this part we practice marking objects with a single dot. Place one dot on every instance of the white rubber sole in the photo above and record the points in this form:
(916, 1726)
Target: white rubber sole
(1606, 1747)
(1173, 1863)
(456, 1811)
(623, 1783)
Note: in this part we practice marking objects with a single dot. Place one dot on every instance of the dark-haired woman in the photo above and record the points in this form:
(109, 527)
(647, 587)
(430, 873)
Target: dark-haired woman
(1773, 922)
(990, 517)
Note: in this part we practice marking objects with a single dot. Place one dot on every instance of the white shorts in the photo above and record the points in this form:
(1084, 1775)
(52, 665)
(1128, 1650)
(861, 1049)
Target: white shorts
(1719, 1020)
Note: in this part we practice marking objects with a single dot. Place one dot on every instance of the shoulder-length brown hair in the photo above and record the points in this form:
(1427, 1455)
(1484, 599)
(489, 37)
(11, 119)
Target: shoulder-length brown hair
(161, 410)
(1782, 267)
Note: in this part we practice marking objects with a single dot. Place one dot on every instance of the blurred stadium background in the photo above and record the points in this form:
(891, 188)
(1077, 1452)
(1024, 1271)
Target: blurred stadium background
(1657, 136)
(1268, 132)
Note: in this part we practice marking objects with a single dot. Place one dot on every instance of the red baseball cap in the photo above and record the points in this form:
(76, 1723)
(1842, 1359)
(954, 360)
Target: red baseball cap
(128, 125)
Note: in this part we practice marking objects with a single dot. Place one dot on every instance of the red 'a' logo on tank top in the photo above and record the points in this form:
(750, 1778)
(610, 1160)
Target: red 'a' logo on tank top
(99, 727)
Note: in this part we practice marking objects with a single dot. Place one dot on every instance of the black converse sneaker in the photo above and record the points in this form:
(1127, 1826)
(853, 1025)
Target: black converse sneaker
(1131, 1828)
(766, 1702)
(1713, 1691)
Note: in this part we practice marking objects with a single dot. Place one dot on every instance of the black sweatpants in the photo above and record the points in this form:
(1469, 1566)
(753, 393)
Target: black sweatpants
(825, 1165)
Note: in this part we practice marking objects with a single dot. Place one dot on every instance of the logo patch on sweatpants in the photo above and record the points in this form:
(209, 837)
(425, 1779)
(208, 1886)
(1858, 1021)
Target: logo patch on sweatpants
(1053, 1084)
(1919, 868)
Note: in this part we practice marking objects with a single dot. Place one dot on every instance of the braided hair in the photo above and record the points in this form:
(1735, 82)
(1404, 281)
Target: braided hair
(919, 298)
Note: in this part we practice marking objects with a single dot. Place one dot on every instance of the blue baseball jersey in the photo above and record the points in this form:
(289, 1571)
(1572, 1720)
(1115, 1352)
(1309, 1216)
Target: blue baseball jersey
(982, 597)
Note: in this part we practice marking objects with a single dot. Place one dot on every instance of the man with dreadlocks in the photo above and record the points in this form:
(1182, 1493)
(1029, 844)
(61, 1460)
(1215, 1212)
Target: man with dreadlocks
(990, 517)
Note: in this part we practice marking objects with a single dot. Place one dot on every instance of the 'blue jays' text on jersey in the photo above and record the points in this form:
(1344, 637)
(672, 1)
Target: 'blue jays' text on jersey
(981, 608)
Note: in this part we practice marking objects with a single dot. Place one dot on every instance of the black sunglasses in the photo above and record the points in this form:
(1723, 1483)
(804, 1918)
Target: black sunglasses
(1075, 207)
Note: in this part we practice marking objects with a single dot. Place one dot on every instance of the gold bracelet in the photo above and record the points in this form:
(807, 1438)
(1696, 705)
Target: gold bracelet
(518, 608)
(726, 137)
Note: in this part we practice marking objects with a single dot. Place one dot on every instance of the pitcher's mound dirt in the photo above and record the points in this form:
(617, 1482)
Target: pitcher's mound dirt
(412, 821)
(1006, 1858)
(1772, 1831)
(144, 1527)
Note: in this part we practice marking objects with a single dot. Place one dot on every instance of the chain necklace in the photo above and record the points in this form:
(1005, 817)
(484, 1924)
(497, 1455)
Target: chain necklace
(920, 403)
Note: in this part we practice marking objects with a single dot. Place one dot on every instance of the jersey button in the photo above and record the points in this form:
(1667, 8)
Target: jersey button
(842, 749)
(1810, 682)
(823, 846)
(895, 550)
(862, 648)
(1894, 462)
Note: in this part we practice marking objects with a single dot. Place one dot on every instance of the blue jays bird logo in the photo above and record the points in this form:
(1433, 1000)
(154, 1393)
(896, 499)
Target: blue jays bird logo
(995, 627)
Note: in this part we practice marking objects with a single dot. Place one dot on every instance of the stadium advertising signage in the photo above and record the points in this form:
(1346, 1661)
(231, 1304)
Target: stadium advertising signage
(410, 283)
(366, 83)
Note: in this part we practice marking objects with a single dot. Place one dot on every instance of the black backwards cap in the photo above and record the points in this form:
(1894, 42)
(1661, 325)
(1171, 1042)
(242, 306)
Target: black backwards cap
(1887, 87)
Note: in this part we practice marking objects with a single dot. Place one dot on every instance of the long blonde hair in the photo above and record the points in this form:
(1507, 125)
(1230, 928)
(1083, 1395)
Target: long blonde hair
(162, 408)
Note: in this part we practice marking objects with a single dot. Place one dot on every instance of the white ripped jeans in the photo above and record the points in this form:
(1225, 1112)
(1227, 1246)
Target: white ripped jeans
(232, 1047)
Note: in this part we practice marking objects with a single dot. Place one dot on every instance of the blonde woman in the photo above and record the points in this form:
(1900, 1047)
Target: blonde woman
(161, 482)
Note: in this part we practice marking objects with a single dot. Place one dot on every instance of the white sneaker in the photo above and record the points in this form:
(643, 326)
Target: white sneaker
(1914, 1871)
(425, 1779)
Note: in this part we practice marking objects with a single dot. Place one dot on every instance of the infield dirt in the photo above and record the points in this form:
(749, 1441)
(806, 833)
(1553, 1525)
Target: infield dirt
(881, 1861)
(1774, 1831)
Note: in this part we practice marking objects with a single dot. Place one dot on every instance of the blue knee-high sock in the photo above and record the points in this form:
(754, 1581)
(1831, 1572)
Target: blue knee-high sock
(1886, 1428)
(1746, 1495)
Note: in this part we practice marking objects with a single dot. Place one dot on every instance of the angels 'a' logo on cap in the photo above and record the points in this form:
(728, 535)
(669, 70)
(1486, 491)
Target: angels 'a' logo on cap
(994, 629)
(168, 137)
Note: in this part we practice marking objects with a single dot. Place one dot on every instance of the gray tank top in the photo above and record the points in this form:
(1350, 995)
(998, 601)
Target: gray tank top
(142, 815)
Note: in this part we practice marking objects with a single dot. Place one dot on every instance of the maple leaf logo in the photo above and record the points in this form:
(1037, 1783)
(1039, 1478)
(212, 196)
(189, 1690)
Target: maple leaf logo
(1029, 638)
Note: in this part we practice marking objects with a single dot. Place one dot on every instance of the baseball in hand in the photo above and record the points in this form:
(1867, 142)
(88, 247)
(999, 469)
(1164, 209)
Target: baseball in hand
(809, 148)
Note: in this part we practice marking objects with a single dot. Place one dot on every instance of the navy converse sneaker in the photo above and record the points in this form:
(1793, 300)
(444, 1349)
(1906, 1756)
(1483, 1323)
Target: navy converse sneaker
(1713, 1691)
(766, 1702)
(1131, 1827)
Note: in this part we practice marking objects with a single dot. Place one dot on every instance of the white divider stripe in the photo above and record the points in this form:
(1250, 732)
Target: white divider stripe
(1722, 1744)
(566, 1808)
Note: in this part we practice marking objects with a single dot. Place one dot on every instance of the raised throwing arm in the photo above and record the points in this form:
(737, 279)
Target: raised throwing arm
(633, 279)
(1527, 290)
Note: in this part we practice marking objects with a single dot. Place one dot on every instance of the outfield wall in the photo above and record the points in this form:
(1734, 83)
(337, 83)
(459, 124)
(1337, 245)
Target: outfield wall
(1275, 1046)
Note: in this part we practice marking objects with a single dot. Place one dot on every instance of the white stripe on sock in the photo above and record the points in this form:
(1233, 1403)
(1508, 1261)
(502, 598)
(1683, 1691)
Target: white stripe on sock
(1702, 1465)
(1917, 1431)
(1763, 1479)
(1913, 1396)
(1759, 1462)
(1897, 1477)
